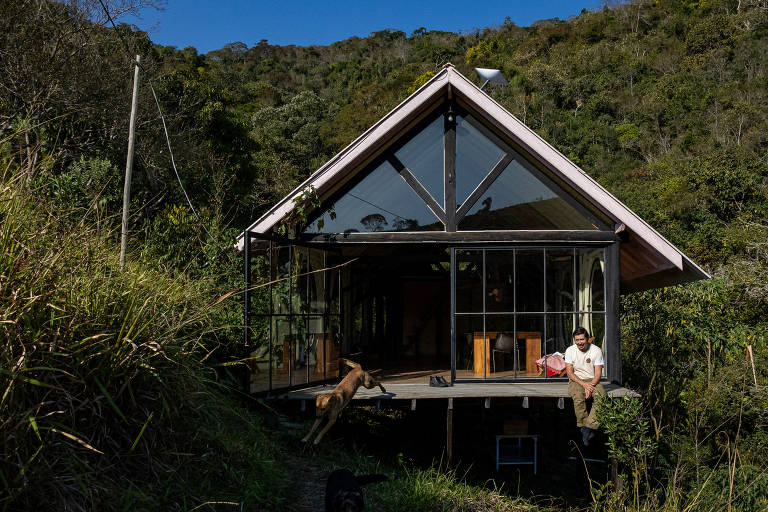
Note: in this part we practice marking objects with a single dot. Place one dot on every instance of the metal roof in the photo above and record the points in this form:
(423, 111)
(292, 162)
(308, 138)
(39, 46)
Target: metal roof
(648, 260)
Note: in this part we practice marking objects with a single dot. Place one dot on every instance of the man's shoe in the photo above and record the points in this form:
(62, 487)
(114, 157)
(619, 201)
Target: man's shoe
(436, 381)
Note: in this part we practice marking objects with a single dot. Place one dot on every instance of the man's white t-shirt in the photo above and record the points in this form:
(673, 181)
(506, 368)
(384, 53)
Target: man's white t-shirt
(584, 362)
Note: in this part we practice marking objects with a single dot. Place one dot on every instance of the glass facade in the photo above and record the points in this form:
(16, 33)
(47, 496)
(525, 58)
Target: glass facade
(519, 200)
(476, 156)
(381, 199)
(516, 305)
(513, 306)
(423, 156)
(295, 319)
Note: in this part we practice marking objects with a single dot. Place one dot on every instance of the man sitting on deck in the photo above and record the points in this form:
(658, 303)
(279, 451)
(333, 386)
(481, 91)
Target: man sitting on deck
(584, 366)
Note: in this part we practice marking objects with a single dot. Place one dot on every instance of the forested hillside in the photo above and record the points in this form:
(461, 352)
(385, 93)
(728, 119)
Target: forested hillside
(664, 102)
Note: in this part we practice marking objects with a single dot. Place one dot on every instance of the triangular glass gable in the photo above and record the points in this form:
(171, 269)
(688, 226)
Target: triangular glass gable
(423, 155)
(519, 200)
(406, 191)
(476, 155)
(382, 201)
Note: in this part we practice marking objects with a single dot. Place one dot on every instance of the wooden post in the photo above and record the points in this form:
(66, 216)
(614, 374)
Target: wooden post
(449, 433)
(615, 476)
(752, 359)
(129, 163)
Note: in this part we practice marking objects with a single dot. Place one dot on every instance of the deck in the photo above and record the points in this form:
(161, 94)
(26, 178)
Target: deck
(412, 391)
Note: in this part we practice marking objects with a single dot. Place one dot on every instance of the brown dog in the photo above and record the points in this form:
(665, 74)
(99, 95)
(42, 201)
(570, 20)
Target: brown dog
(330, 404)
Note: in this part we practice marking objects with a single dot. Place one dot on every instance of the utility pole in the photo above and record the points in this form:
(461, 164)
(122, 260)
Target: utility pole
(129, 163)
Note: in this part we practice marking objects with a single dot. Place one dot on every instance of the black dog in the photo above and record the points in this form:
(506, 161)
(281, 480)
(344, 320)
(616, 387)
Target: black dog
(343, 492)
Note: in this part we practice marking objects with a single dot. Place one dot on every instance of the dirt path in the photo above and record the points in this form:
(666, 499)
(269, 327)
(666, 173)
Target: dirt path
(308, 481)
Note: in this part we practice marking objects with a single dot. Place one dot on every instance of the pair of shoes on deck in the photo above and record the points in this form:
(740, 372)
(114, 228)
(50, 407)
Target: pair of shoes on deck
(437, 381)
(587, 434)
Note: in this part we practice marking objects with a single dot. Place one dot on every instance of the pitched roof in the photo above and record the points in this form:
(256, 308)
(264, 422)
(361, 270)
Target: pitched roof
(648, 260)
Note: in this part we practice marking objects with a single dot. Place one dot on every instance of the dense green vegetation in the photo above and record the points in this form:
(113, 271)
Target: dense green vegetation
(106, 374)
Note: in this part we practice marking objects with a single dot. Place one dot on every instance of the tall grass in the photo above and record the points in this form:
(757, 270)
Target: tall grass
(100, 375)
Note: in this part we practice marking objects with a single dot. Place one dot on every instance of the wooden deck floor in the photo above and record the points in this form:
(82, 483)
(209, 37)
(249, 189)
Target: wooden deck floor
(408, 391)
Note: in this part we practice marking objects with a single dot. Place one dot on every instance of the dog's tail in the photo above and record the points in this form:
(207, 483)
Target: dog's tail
(349, 363)
(371, 479)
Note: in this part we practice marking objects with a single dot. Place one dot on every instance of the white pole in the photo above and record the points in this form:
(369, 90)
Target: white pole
(129, 163)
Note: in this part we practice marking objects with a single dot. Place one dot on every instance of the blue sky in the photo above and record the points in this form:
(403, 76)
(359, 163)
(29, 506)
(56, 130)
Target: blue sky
(208, 25)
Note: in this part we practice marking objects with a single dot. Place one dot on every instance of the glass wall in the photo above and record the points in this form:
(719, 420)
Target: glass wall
(381, 201)
(515, 306)
(517, 199)
(404, 188)
(295, 319)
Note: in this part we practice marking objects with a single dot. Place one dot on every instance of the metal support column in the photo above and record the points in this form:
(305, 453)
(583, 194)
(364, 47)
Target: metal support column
(612, 311)
(449, 433)
(453, 315)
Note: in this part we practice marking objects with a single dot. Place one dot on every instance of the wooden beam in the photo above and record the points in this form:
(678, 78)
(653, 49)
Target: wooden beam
(262, 241)
(483, 186)
(464, 237)
(417, 187)
(449, 177)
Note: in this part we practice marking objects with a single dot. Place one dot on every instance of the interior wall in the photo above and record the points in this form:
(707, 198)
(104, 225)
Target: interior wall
(426, 318)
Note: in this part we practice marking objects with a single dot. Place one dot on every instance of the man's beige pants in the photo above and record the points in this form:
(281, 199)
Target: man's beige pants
(584, 419)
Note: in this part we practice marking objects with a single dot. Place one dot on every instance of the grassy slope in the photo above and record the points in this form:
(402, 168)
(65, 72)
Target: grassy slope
(104, 399)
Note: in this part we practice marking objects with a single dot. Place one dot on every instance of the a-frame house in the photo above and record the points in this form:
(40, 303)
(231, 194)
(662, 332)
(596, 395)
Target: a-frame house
(450, 239)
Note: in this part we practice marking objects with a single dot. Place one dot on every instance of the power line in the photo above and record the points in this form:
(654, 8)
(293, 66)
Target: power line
(162, 117)
(125, 43)
(173, 161)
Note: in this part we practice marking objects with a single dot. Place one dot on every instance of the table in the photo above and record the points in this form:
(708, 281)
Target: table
(482, 349)
(532, 350)
(515, 455)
